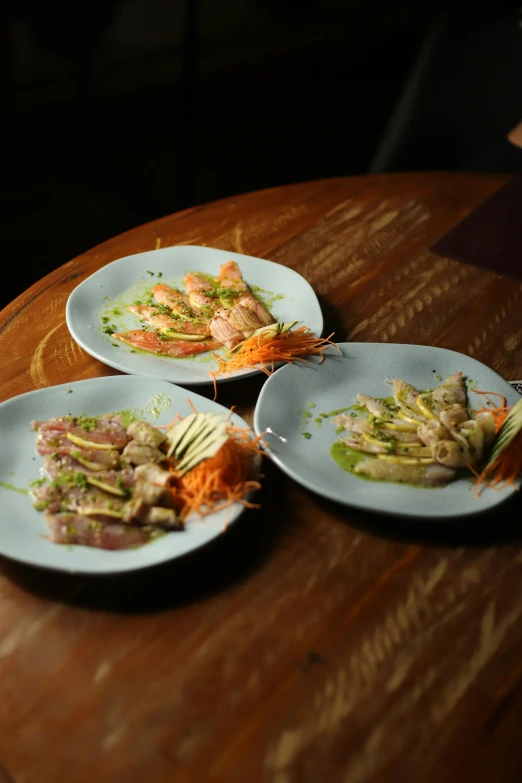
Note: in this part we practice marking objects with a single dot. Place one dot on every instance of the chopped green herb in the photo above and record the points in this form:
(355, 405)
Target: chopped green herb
(306, 435)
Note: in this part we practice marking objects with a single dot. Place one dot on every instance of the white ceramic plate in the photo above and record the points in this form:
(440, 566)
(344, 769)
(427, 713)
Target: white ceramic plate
(105, 294)
(334, 384)
(22, 528)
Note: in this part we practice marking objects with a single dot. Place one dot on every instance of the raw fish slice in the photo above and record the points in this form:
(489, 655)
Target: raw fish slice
(166, 323)
(381, 410)
(451, 392)
(474, 435)
(233, 326)
(423, 475)
(76, 529)
(232, 285)
(176, 300)
(405, 396)
(359, 443)
(234, 289)
(246, 318)
(153, 343)
(104, 430)
(201, 294)
(362, 425)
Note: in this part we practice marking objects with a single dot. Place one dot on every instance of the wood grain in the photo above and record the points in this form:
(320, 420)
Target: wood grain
(312, 642)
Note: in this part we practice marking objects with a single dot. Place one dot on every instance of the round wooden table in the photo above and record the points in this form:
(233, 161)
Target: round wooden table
(311, 642)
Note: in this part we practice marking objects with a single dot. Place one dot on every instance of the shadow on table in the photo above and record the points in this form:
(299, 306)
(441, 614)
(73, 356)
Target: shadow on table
(498, 526)
(226, 560)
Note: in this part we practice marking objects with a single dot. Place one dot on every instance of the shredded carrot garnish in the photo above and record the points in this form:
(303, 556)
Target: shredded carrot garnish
(267, 349)
(488, 394)
(222, 480)
(505, 470)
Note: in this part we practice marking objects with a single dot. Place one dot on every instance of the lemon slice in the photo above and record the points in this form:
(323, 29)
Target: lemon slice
(421, 405)
(112, 490)
(406, 460)
(105, 512)
(398, 427)
(377, 442)
(402, 415)
(171, 333)
(89, 444)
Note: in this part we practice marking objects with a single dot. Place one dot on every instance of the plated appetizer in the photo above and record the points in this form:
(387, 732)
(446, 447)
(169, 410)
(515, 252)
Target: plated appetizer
(420, 437)
(213, 313)
(111, 484)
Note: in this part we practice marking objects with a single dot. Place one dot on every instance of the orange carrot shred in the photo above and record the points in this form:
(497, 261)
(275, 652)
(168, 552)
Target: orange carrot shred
(267, 349)
(222, 480)
(505, 470)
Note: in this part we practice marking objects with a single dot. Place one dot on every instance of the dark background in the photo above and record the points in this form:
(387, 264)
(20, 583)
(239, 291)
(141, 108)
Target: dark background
(117, 112)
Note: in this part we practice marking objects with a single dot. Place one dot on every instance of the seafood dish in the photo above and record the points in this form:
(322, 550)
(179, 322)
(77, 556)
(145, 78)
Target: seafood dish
(111, 484)
(211, 313)
(419, 437)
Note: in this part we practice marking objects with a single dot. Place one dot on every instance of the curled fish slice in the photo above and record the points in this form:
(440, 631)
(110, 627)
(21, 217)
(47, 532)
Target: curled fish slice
(487, 423)
(452, 391)
(234, 289)
(453, 415)
(451, 454)
(256, 310)
(224, 331)
(405, 396)
(431, 432)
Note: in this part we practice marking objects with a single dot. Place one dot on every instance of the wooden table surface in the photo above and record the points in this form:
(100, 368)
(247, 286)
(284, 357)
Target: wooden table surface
(312, 642)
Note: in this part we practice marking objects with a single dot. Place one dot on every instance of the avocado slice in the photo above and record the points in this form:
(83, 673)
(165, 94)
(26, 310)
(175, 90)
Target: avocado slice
(176, 432)
(110, 488)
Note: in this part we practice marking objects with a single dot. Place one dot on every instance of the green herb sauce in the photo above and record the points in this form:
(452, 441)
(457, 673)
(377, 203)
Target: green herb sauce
(15, 489)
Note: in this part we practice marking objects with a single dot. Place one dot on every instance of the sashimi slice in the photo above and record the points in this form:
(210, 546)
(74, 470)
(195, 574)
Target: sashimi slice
(153, 343)
(234, 290)
(425, 475)
(167, 323)
(201, 294)
(171, 297)
(69, 528)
